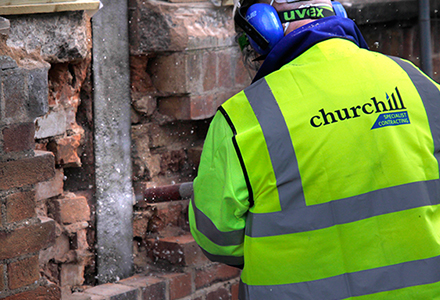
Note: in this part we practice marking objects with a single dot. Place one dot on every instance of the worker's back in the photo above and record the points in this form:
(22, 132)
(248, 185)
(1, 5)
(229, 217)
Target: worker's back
(339, 150)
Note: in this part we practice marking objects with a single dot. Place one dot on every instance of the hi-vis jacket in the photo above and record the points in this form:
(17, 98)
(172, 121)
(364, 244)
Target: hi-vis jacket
(324, 181)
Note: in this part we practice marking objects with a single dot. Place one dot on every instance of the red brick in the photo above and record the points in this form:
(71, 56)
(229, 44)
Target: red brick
(205, 106)
(194, 107)
(72, 274)
(2, 282)
(243, 76)
(15, 94)
(177, 107)
(214, 273)
(141, 221)
(140, 79)
(27, 239)
(172, 160)
(71, 210)
(79, 241)
(170, 74)
(20, 206)
(144, 104)
(114, 291)
(210, 60)
(51, 188)
(180, 250)
(27, 171)
(168, 214)
(58, 252)
(65, 150)
(23, 272)
(220, 293)
(225, 69)
(179, 284)
(19, 137)
(194, 155)
(182, 27)
(194, 70)
(50, 292)
(153, 288)
(234, 291)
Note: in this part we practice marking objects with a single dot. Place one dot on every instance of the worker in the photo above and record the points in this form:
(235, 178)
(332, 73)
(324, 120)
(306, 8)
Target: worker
(321, 179)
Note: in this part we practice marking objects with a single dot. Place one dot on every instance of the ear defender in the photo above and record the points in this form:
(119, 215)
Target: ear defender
(339, 9)
(263, 27)
(264, 18)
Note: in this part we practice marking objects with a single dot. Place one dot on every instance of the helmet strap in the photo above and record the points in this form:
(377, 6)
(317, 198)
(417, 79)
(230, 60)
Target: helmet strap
(308, 12)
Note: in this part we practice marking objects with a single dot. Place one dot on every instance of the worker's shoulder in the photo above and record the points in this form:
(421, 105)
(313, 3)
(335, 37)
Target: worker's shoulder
(237, 99)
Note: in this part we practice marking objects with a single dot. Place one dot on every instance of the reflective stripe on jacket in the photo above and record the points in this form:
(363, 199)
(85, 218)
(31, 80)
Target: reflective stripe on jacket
(342, 167)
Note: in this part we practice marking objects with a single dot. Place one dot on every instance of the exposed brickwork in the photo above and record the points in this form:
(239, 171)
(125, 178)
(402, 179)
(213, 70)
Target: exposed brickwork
(20, 206)
(151, 287)
(234, 291)
(65, 150)
(179, 284)
(15, 94)
(206, 89)
(221, 293)
(214, 273)
(23, 97)
(19, 137)
(141, 223)
(210, 63)
(177, 250)
(18, 173)
(70, 210)
(166, 215)
(27, 239)
(140, 79)
(23, 272)
(164, 27)
(2, 280)
(50, 188)
(49, 292)
(72, 275)
(114, 291)
(225, 67)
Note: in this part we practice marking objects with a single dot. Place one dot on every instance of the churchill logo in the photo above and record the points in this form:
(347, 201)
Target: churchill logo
(392, 112)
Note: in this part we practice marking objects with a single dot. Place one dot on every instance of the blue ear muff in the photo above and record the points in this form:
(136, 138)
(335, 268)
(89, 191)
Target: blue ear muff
(264, 18)
(339, 9)
(262, 24)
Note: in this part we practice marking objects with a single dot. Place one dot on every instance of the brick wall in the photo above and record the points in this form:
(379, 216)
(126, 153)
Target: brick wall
(184, 64)
(52, 118)
(169, 264)
(23, 234)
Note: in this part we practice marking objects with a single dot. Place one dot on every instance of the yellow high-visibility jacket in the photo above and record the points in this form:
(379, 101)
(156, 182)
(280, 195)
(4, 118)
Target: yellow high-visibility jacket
(323, 181)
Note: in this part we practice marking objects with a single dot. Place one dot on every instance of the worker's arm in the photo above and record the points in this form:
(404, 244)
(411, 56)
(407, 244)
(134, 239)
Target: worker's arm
(217, 212)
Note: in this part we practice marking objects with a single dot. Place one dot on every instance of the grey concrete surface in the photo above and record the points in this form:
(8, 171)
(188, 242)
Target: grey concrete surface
(114, 193)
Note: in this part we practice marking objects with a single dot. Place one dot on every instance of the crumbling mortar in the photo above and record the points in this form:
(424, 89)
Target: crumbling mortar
(7, 292)
(9, 227)
(13, 156)
(8, 261)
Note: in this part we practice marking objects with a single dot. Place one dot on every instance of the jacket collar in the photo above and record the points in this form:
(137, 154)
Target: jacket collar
(301, 39)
